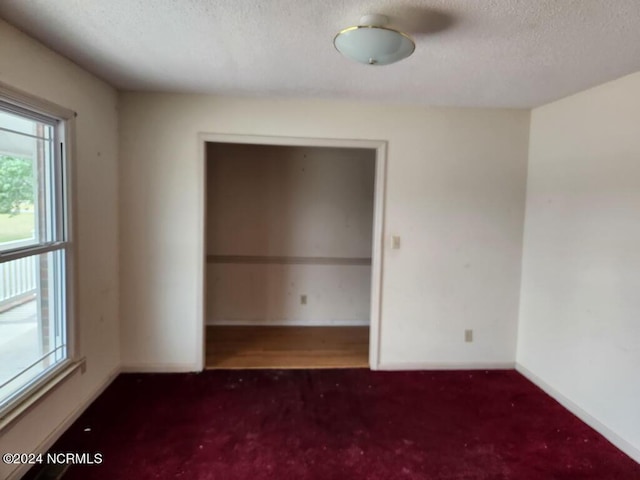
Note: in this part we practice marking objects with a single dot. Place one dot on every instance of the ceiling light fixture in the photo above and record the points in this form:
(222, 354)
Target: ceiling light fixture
(373, 43)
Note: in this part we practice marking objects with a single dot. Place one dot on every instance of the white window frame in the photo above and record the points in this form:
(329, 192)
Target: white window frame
(29, 106)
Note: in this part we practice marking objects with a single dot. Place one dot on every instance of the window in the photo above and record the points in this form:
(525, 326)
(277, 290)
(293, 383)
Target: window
(35, 249)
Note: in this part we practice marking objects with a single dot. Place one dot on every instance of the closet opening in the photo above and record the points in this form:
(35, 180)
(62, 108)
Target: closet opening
(292, 253)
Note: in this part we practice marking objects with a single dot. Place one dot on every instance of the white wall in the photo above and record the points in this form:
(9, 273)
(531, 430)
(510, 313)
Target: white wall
(455, 193)
(269, 200)
(29, 66)
(579, 333)
(308, 211)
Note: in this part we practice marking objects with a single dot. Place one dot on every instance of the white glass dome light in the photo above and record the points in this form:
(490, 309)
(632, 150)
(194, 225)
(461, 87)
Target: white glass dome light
(372, 43)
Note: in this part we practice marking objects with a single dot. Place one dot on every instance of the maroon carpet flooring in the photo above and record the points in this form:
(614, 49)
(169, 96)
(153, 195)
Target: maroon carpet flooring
(337, 424)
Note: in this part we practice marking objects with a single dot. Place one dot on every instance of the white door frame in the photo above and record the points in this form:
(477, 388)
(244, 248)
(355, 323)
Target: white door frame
(380, 148)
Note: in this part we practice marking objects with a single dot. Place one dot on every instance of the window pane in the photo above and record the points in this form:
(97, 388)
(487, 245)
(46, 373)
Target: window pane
(27, 174)
(10, 121)
(32, 319)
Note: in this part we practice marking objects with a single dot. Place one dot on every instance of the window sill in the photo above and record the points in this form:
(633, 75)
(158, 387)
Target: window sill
(32, 398)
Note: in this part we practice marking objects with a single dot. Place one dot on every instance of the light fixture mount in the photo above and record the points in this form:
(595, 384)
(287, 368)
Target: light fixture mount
(373, 43)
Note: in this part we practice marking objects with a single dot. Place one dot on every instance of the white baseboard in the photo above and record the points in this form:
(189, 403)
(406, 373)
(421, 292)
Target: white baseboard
(160, 368)
(446, 366)
(289, 323)
(48, 442)
(587, 418)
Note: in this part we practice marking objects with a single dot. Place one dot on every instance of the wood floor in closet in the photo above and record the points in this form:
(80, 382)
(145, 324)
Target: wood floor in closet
(238, 347)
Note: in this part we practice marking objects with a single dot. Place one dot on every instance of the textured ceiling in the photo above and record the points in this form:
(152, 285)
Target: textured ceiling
(504, 53)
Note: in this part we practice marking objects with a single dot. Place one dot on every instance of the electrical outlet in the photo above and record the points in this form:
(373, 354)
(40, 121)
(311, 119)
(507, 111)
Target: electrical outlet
(303, 299)
(468, 336)
(395, 242)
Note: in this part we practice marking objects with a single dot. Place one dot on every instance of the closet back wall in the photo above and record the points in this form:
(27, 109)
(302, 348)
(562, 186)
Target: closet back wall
(288, 222)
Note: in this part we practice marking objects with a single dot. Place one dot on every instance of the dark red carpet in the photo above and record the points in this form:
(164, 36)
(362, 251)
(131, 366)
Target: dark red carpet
(337, 424)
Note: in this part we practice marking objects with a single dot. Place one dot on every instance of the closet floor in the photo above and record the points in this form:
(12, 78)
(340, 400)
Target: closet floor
(232, 347)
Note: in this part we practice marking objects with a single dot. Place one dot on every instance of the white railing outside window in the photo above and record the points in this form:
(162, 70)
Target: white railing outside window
(17, 282)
